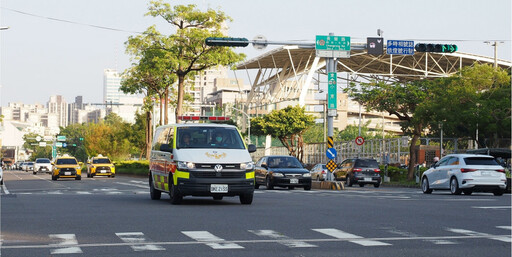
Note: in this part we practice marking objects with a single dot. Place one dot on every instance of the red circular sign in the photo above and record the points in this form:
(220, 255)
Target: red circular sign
(359, 140)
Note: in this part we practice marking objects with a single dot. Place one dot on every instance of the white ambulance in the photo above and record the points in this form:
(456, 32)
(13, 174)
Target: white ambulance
(201, 159)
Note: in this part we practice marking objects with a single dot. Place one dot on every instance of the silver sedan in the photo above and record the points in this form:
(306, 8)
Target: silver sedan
(466, 173)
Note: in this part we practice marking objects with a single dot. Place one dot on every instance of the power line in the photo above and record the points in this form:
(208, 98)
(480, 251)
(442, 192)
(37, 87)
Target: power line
(71, 22)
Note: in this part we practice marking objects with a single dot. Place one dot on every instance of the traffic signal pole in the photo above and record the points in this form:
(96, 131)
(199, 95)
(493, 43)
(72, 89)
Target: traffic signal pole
(330, 68)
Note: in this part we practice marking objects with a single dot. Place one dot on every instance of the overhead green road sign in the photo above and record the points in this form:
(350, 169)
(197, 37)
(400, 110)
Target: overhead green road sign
(332, 43)
(61, 138)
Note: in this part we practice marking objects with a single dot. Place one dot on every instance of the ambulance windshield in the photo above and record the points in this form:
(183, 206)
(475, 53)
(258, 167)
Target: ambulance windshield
(209, 137)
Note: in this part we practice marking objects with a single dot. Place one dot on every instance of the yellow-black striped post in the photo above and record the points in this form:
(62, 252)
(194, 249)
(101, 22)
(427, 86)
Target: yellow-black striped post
(330, 142)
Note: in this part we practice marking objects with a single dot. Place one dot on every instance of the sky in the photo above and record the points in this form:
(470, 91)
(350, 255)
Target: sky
(61, 47)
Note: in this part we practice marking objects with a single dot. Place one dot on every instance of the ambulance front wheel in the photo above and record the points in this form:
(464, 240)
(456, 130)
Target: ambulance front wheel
(246, 198)
(175, 195)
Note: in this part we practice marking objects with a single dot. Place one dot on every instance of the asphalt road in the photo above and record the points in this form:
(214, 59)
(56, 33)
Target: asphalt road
(115, 217)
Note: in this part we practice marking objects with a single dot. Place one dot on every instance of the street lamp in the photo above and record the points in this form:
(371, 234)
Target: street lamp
(495, 44)
(249, 123)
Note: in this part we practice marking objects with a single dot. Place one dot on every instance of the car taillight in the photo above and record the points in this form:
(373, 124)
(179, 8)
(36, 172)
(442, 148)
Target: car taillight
(357, 170)
(501, 170)
(467, 170)
(376, 170)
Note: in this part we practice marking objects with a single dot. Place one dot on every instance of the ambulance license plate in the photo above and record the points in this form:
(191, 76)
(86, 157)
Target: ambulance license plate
(218, 188)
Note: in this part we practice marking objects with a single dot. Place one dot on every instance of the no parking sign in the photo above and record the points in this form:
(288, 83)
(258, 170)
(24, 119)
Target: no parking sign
(359, 140)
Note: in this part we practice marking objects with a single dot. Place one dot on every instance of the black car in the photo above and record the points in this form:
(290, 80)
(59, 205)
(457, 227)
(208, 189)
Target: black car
(282, 171)
(358, 171)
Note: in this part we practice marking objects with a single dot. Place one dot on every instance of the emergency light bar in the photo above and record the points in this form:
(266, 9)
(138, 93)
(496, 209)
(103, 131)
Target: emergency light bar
(209, 118)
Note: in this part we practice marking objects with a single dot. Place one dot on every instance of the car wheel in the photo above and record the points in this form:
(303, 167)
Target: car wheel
(78, 178)
(291, 187)
(113, 175)
(454, 187)
(424, 186)
(217, 197)
(307, 188)
(268, 183)
(349, 181)
(246, 198)
(35, 172)
(54, 177)
(174, 193)
(361, 184)
(256, 185)
(155, 194)
(467, 191)
(498, 192)
(2, 182)
(88, 175)
(376, 184)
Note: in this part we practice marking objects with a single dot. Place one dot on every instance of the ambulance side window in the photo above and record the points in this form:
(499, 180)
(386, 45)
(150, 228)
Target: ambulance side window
(170, 140)
(160, 138)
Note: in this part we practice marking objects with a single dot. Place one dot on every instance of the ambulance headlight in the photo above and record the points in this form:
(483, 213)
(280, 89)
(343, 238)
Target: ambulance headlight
(247, 165)
(186, 165)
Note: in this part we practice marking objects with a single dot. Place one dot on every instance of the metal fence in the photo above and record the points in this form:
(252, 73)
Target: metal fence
(396, 149)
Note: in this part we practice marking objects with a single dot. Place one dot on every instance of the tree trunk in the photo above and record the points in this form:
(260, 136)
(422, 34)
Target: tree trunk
(412, 151)
(181, 91)
(166, 106)
(149, 134)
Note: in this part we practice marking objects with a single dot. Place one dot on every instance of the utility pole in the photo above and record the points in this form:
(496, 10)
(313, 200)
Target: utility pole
(495, 44)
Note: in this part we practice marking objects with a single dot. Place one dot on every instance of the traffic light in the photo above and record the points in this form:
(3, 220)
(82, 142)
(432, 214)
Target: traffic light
(435, 48)
(227, 41)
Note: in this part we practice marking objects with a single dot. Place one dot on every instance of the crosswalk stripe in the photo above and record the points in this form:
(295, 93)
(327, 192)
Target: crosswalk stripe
(139, 240)
(344, 235)
(211, 240)
(505, 227)
(473, 233)
(65, 243)
(286, 240)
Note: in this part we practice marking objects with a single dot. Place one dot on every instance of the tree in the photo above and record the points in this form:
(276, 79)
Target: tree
(401, 100)
(476, 99)
(288, 125)
(186, 49)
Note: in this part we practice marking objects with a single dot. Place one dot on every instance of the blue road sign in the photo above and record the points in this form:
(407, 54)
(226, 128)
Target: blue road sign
(64, 145)
(331, 153)
(400, 47)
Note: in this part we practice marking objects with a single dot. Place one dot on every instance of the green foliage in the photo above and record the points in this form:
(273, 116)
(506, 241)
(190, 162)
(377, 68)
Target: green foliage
(478, 96)
(133, 167)
(287, 124)
(161, 60)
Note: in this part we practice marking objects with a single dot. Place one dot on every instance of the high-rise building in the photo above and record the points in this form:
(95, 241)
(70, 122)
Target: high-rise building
(111, 85)
(57, 105)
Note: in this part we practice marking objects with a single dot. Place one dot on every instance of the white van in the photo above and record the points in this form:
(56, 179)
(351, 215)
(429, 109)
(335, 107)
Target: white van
(201, 159)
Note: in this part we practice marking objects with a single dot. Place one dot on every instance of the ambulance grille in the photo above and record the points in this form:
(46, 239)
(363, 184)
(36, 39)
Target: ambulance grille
(213, 174)
(211, 166)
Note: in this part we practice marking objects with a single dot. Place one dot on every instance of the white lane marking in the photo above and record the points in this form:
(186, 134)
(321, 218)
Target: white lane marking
(83, 193)
(4, 188)
(211, 240)
(409, 234)
(139, 241)
(344, 235)
(492, 207)
(139, 182)
(505, 227)
(282, 239)
(66, 244)
(133, 185)
(473, 233)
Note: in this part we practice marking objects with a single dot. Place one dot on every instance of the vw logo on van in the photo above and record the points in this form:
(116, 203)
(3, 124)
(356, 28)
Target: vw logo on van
(218, 168)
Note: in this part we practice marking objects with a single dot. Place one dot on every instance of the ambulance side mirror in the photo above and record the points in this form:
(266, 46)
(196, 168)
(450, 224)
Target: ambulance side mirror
(165, 148)
(251, 148)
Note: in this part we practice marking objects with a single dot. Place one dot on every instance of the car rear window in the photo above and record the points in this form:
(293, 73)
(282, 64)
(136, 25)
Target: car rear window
(480, 161)
(43, 161)
(367, 163)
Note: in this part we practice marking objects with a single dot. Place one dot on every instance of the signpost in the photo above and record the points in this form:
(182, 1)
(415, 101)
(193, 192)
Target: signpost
(332, 91)
(400, 47)
(359, 140)
(332, 46)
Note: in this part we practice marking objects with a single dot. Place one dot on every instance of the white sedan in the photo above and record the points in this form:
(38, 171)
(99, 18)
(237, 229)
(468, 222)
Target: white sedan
(466, 173)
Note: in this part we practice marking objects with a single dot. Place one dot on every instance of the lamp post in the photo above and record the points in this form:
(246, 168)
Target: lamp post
(495, 44)
(249, 122)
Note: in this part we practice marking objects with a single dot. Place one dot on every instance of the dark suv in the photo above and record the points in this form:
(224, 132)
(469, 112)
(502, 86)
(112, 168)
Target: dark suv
(358, 171)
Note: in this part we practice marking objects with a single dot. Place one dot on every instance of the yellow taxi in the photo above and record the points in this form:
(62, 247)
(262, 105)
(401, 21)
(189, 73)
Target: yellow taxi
(66, 167)
(100, 166)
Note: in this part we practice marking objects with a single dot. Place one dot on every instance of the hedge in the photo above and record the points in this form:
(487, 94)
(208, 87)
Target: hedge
(133, 167)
